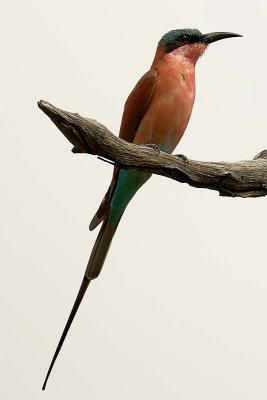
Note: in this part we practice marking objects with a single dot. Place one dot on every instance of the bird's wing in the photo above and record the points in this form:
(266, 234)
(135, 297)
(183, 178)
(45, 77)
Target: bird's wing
(134, 110)
(137, 104)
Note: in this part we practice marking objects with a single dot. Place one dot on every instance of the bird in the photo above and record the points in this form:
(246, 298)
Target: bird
(156, 113)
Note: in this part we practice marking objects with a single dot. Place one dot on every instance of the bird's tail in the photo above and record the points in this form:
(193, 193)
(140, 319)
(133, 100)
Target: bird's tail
(93, 269)
(128, 184)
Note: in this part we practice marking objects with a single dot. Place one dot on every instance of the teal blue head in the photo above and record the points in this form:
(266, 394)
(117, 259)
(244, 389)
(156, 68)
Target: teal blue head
(181, 37)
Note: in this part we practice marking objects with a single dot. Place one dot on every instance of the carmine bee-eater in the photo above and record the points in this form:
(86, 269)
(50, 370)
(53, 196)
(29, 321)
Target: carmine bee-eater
(156, 112)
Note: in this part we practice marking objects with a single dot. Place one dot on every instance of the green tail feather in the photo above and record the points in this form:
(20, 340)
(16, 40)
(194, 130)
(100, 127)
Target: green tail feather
(101, 248)
(93, 269)
(128, 184)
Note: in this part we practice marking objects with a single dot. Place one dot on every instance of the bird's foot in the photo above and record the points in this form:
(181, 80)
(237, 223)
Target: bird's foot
(153, 146)
(184, 158)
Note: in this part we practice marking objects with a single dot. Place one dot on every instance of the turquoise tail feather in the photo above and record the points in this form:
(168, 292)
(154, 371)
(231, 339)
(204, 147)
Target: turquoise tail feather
(128, 184)
(129, 181)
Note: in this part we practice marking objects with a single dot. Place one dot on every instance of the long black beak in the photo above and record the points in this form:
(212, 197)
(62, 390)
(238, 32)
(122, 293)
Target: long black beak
(214, 36)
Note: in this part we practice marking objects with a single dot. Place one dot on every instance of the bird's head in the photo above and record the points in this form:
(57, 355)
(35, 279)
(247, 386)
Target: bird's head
(190, 43)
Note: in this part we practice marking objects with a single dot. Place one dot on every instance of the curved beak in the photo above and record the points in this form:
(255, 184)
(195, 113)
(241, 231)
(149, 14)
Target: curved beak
(214, 36)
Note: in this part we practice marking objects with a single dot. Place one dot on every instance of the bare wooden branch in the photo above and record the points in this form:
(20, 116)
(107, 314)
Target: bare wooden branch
(238, 179)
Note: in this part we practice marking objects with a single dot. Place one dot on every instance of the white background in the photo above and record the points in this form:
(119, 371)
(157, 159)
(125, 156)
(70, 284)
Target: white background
(179, 311)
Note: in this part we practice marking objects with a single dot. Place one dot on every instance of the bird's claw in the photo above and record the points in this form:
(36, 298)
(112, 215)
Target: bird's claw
(184, 158)
(154, 147)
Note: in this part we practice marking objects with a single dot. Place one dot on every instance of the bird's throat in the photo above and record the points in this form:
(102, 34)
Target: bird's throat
(189, 53)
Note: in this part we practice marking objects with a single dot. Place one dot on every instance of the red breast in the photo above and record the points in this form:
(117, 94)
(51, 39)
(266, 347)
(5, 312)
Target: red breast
(168, 114)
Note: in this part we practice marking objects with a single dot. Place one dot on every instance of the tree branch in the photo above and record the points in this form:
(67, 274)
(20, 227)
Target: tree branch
(238, 179)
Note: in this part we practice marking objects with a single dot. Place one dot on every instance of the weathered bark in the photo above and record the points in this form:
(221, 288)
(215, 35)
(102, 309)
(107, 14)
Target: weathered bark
(237, 179)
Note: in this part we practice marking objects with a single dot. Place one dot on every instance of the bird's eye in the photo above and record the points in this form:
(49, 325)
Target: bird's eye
(184, 37)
